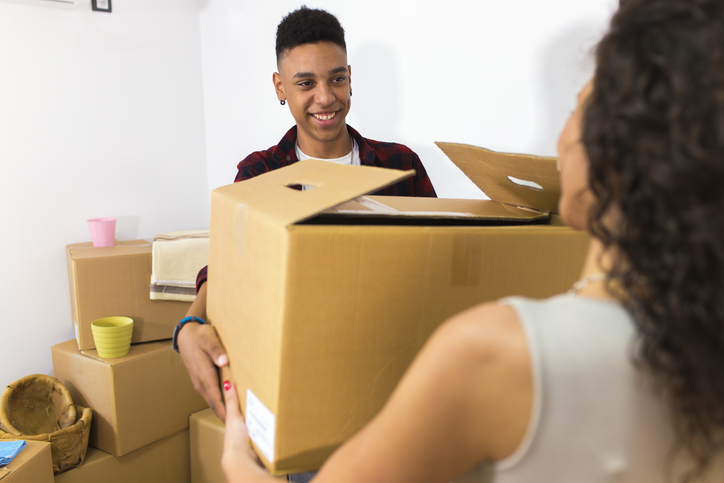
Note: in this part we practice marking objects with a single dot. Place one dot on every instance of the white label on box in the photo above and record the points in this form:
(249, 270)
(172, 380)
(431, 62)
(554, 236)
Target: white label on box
(261, 425)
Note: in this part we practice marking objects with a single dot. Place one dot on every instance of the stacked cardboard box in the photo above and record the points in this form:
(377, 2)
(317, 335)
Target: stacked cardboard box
(136, 400)
(207, 445)
(141, 402)
(165, 461)
(112, 281)
(33, 464)
(322, 298)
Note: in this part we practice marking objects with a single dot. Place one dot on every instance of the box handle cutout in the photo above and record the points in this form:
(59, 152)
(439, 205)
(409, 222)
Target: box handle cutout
(300, 187)
(526, 184)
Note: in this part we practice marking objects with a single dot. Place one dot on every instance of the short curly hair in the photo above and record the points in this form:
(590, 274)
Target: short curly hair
(653, 131)
(308, 26)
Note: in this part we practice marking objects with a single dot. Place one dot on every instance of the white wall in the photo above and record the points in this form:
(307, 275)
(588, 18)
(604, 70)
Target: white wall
(139, 113)
(498, 74)
(100, 115)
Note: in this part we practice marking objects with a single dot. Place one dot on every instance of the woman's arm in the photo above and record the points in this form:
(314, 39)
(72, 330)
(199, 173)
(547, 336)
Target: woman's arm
(466, 398)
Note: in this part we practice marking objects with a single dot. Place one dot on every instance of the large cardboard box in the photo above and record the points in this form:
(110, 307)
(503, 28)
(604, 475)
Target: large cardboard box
(136, 400)
(322, 299)
(165, 461)
(114, 281)
(207, 445)
(34, 464)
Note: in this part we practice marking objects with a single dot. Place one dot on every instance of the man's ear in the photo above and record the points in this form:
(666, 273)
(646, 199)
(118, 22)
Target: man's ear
(279, 86)
(349, 81)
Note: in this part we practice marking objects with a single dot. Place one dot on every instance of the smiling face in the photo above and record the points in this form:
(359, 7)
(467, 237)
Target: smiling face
(314, 79)
(576, 197)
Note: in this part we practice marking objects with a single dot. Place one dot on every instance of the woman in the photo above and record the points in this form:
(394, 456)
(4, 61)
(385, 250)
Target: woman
(621, 379)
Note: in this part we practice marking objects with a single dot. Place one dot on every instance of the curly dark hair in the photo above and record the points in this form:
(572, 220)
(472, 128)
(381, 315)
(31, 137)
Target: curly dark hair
(308, 26)
(653, 130)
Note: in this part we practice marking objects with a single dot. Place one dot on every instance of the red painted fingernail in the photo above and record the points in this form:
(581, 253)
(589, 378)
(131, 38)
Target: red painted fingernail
(227, 385)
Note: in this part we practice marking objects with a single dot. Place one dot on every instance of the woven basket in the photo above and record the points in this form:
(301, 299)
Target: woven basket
(40, 408)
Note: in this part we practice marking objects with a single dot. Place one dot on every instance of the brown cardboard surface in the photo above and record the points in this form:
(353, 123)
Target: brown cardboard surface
(320, 319)
(136, 400)
(492, 172)
(207, 445)
(165, 461)
(115, 281)
(272, 196)
(33, 464)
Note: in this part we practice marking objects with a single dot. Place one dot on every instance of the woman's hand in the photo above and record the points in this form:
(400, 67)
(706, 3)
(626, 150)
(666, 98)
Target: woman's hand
(239, 461)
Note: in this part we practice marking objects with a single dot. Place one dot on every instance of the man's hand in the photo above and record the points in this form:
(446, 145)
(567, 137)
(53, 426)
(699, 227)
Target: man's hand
(202, 353)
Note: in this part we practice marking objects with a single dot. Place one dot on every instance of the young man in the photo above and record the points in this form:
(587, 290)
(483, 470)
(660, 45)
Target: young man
(313, 78)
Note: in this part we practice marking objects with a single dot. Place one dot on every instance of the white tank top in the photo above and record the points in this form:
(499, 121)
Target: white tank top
(596, 418)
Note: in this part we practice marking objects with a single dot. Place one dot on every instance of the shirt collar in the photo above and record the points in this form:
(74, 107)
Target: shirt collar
(285, 154)
(366, 154)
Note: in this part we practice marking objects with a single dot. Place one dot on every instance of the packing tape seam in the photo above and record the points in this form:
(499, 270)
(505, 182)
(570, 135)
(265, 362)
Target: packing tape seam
(240, 229)
(466, 263)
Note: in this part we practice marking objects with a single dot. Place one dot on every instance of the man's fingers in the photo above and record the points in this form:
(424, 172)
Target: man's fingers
(202, 353)
(218, 355)
(211, 344)
(212, 394)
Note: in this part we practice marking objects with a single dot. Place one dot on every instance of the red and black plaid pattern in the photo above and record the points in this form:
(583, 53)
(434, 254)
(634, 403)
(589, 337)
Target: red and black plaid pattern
(371, 153)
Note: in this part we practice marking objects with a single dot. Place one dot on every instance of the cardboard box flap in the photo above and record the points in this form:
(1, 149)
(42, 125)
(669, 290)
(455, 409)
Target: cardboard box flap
(515, 179)
(307, 187)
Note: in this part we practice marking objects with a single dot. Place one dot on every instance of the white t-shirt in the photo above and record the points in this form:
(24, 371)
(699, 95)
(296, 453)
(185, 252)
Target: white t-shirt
(351, 158)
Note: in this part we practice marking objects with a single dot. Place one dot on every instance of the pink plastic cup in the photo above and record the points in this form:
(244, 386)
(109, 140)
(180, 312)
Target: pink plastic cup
(103, 231)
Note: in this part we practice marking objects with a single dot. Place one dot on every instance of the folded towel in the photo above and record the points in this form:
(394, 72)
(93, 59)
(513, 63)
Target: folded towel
(9, 450)
(177, 257)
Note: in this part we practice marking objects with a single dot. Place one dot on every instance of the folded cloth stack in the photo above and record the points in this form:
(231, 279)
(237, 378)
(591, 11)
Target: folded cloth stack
(9, 450)
(177, 257)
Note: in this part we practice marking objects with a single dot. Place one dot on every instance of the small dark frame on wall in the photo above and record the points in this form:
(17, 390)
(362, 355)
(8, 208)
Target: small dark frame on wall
(101, 5)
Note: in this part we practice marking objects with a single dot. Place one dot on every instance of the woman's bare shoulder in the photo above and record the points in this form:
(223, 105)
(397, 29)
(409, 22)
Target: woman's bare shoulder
(490, 329)
(487, 345)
